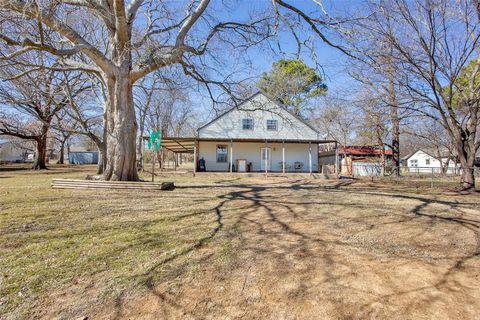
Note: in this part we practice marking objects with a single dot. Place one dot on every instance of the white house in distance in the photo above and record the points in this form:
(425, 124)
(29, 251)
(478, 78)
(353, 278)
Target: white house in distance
(11, 152)
(258, 135)
(423, 162)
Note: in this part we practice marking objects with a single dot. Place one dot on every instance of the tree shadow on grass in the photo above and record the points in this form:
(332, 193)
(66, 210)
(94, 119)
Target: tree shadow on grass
(268, 230)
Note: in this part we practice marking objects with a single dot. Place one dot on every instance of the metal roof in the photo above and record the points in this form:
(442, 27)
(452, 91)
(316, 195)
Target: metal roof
(364, 151)
(187, 144)
(281, 106)
(179, 144)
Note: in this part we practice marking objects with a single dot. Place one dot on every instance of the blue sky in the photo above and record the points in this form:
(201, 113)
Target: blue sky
(331, 60)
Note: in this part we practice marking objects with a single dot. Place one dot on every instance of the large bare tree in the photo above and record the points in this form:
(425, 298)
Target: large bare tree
(64, 128)
(29, 105)
(87, 110)
(122, 42)
(337, 118)
(434, 48)
(374, 69)
(153, 98)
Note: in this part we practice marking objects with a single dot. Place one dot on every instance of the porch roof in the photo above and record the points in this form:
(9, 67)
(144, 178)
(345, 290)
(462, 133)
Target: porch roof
(187, 144)
(266, 140)
(179, 144)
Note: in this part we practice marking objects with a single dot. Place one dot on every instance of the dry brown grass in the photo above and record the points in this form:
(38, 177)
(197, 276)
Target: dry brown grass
(237, 247)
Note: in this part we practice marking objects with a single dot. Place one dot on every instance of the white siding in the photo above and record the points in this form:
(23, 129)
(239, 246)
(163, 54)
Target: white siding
(250, 151)
(260, 109)
(420, 159)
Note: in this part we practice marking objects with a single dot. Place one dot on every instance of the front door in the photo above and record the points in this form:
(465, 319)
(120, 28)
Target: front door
(266, 159)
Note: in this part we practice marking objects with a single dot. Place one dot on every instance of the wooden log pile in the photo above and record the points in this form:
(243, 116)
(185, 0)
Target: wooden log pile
(117, 185)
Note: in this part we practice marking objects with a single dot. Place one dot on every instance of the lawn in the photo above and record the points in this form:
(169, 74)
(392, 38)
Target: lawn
(230, 247)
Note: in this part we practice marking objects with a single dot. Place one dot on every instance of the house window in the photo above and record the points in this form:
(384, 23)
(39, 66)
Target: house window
(247, 124)
(427, 161)
(222, 153)
(414, 163)
(272, 125)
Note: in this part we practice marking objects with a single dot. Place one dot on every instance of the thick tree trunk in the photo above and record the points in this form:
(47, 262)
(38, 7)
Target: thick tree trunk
(468, 178)
(443, 164)
(382, 161)
(121, 130)
(100, 163)
(41, 155)
(101, 158)
(395, 141)
(102, 145)
(466, 154)
(61, 159)
(395, 125)
(68, 149)
(140, 143)
(142, 115)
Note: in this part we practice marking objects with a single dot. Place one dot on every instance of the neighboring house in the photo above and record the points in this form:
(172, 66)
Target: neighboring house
(423, 162)
(357, 160)
(10, 152)
(258, 135)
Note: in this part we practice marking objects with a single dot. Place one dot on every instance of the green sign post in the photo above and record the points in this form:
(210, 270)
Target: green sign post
(154, 144)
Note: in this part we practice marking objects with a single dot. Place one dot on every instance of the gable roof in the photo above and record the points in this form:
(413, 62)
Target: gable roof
(281, 106)
(408, 155)
(413, 153)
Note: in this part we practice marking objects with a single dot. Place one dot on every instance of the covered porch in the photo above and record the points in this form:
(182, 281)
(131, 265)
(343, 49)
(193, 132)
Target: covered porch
(248, 155)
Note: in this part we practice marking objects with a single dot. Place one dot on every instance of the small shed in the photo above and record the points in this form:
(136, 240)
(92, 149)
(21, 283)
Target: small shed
(83, 157)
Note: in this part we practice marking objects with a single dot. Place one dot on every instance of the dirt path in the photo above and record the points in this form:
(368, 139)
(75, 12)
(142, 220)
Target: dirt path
(300, 250)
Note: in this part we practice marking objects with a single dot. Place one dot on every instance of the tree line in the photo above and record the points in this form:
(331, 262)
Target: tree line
(90, 66)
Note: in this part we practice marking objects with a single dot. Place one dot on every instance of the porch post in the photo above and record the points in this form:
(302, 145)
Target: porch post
(231, 156)
(143, 155)
(310, 157)
(153, 165)
(161, 160)
(336, 158)
(194, 158)
(283, 156)
(266, 158)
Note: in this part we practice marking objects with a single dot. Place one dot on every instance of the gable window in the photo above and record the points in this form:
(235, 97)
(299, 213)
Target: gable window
(222, 153)
(272, 125)
(247, 124)
(414, 163)
(427, 161)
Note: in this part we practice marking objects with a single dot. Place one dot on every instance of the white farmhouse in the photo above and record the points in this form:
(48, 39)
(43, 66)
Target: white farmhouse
(423, 162)
(258, 135)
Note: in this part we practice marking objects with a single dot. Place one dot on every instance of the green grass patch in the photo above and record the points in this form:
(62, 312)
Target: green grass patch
(50, 239)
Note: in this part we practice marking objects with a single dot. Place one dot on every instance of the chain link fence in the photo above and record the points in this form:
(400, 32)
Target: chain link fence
(416, 176)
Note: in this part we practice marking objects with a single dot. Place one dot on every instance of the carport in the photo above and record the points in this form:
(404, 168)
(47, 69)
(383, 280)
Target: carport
(179, 145)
